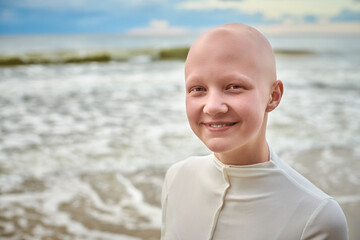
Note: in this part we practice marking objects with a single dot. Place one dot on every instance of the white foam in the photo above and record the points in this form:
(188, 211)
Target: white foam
(348, 199)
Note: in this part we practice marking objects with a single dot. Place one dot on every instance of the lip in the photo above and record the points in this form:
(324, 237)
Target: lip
(219, 126)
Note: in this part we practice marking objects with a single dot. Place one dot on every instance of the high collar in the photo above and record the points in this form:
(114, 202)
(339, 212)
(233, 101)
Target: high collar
(251, 170)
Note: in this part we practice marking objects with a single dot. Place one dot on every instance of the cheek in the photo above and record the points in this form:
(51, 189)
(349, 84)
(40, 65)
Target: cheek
(192, 110)
(252, 111)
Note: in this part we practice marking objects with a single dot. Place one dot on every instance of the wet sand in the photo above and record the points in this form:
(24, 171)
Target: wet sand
(107, 210)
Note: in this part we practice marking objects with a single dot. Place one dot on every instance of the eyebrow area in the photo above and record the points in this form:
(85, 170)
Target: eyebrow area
(226, 79)
(238, 78)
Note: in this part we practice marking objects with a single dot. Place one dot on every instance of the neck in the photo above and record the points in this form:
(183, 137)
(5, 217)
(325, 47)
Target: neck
(253, 152)
(257, 153)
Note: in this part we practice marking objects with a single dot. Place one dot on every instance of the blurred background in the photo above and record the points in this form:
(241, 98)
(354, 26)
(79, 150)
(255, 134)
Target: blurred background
(92, 106)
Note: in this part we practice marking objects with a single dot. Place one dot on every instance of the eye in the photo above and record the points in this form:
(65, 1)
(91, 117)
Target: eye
(197, 89)
(235, 87)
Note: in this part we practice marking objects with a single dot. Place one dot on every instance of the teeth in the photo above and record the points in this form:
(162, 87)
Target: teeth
(219, 126)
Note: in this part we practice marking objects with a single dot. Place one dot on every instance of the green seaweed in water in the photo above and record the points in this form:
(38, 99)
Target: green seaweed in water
(174, 53)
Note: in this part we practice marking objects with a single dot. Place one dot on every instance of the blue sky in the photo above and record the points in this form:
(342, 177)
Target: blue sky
(175, 17)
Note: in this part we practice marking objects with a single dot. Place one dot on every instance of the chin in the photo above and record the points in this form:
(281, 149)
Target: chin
(217, 146)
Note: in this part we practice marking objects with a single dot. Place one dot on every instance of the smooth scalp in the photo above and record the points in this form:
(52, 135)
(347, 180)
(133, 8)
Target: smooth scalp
(236, 40)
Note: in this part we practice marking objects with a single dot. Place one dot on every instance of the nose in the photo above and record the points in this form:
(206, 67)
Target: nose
(215, 104)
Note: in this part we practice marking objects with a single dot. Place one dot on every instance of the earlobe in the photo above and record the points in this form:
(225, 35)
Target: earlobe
(277, 91)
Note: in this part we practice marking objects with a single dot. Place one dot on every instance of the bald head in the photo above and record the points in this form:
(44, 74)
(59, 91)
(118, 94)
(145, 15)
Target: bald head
(234, 42)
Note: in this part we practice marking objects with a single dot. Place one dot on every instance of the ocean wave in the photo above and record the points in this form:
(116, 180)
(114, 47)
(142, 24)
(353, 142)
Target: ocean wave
(83, 204)
(348, 86)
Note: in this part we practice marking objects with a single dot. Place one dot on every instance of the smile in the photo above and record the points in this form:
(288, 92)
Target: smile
(221, 125)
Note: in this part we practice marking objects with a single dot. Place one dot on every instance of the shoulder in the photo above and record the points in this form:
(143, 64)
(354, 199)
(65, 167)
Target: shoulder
(325, 218)
(328, 220)
(301, 183)
(187, 167)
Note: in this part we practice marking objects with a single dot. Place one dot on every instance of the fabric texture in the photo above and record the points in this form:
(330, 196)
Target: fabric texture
(204, 199)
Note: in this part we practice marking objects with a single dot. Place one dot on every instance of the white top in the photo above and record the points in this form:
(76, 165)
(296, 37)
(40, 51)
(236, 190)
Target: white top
(204, 199)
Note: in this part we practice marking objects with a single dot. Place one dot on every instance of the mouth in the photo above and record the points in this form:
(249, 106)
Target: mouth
(219, 125)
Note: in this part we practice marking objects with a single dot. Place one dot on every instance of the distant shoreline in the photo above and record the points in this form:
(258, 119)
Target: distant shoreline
(78, 57)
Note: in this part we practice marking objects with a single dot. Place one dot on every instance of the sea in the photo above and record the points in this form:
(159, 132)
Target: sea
(89, 124)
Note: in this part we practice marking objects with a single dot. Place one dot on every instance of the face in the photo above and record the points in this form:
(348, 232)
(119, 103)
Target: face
(226, 95)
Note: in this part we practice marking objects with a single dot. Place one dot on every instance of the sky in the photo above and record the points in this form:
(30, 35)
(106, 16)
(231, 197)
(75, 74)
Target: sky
(177, 17)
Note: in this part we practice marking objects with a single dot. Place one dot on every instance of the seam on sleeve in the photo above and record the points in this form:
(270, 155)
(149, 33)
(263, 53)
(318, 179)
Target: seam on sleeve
(301, 186)
(314, 215)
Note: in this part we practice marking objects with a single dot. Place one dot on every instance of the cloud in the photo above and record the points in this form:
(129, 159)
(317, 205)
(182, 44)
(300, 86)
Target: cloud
(274, 8)
(80, 16)
(58, 4)
(311, 28)
(138, 16)
(158, 27)
(90, 21)
(48, 5)
(310, 18)
(85, 5)
(7, 16)
(347, 15)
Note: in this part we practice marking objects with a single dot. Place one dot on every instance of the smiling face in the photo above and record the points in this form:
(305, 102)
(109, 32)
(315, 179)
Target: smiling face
(229, 77)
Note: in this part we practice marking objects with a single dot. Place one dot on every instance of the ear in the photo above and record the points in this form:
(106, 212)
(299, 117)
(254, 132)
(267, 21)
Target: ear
(276, 93)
